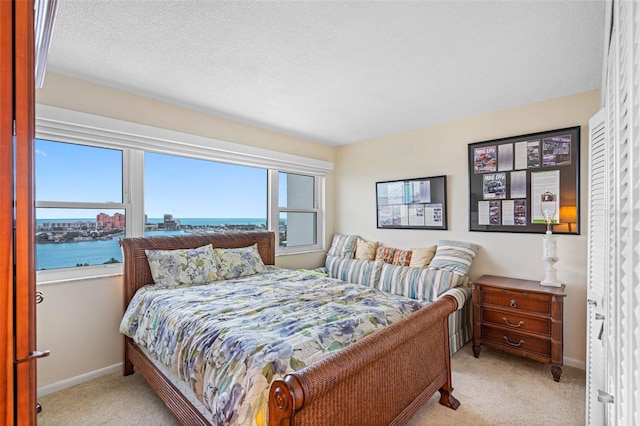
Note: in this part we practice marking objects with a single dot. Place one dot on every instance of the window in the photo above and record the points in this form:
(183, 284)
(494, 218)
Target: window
(206, 196)
(297, 210)
(79, 205)
(98, 179)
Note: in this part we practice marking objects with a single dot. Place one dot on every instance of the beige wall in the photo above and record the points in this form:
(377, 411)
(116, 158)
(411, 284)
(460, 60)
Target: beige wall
(442, 150)
(79, 320)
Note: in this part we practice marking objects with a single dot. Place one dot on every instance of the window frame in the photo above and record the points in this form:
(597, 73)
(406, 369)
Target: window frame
(61, 125)
(273, 221)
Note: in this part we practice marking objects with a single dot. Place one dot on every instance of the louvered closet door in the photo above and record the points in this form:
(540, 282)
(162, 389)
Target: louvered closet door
(618, 231)
(627, 343)
(597, 276)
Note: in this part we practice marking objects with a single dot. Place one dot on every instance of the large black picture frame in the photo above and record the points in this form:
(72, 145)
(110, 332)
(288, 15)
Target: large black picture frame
(419, 203)
(515, 181)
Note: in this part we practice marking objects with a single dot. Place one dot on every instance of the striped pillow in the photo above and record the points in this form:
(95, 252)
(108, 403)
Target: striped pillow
(356, 271)
(343, 246)
(454, 256)
(418, 283)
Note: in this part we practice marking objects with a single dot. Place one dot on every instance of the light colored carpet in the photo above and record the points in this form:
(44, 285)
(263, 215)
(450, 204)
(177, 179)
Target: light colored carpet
(494, 389)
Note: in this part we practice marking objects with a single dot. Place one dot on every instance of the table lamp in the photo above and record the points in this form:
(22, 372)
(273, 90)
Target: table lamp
(548, 206)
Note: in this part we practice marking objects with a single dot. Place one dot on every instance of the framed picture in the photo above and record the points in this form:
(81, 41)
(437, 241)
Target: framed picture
(412, 203)
(526, 183)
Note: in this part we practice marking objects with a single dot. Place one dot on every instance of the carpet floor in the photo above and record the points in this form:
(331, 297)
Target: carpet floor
(494, 389)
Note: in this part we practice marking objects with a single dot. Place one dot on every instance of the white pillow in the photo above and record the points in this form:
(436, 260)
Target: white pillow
(422, 256)
(366, 249)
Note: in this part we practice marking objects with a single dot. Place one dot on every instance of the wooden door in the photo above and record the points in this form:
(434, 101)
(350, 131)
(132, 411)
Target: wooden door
(25, 291)
(17, 216)
(6, 213)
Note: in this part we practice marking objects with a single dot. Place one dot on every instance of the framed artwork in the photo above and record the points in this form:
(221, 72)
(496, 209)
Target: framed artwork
(526, 183)
(412, 203)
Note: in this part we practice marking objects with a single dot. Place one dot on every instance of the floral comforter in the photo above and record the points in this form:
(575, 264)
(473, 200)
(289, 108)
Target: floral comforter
(229, 339)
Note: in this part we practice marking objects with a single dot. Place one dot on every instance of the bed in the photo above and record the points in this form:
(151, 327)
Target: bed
(382, 378)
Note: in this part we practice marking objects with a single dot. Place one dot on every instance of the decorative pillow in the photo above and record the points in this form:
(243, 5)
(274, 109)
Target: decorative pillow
(343, 246)
(385, 254)
(366, 249)
(401, 257)
(418, 283)
(454, 255)
(421, 257)
(183, 266)
(239, 262)
(356, 271)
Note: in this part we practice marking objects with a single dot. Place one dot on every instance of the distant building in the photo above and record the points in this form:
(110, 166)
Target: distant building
(104, 221)
(76, 226)
(169, 223)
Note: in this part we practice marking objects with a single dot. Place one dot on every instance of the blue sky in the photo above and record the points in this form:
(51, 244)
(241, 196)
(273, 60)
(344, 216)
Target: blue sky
(180, 186)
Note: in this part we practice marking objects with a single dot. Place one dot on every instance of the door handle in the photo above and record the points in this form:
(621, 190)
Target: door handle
(34, 355)
(39, 297)
(605, 397)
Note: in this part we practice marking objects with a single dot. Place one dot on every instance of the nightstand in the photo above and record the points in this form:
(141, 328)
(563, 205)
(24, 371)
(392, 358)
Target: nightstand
(520, 317)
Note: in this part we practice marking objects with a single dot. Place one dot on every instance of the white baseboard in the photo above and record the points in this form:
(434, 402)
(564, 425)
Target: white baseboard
(67, 383)
(574, 363)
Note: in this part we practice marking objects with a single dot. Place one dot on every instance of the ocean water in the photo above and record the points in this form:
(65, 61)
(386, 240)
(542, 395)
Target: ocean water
(68, 255)
(200, 221)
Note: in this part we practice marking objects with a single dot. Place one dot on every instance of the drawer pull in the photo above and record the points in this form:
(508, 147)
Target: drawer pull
(513, 303)
(518, 325)
(511, 343)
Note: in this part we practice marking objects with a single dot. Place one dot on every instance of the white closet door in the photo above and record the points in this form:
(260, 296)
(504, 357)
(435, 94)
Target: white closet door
(627, 349)
(598, 266)
(614, 230)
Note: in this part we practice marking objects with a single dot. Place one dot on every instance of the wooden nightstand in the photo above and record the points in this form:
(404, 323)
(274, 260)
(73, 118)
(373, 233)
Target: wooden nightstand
(520, 317)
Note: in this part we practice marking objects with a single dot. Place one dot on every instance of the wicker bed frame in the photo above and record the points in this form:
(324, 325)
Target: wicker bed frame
(382, 379)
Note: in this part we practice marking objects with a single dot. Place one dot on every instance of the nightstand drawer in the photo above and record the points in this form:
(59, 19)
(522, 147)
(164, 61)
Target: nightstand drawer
(516, 321)
(517, 301)
(517, 341)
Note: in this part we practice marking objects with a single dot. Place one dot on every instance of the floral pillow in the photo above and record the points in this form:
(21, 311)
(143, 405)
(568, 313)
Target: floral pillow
(385, 254)
(239, 262)
(401, 257)
(183, 266)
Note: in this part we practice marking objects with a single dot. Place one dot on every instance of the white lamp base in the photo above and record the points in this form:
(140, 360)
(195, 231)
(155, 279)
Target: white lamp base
(550, 257)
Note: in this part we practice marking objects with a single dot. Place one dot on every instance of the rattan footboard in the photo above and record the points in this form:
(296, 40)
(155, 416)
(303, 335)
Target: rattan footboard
(382, 379)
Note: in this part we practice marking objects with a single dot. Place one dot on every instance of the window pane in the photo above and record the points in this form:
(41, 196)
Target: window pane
(67, 238)
(295, 191)
(297, 229)
(69, 172)
(185, 195)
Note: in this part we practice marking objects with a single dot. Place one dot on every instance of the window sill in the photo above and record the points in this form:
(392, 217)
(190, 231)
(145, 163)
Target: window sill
(293, 253)
(67, 275)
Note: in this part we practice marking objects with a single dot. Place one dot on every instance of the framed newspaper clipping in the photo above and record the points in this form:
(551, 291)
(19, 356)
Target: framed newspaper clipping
(412, 203)
(526, 183)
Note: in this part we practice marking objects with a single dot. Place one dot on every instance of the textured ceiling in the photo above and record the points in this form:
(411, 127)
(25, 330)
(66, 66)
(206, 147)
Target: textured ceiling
(334, 72)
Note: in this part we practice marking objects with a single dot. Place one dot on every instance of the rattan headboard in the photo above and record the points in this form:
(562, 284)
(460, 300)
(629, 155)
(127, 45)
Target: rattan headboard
(136, 267)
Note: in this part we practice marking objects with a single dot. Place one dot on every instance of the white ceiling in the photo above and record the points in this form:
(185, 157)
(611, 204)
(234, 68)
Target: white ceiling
(334, 72)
